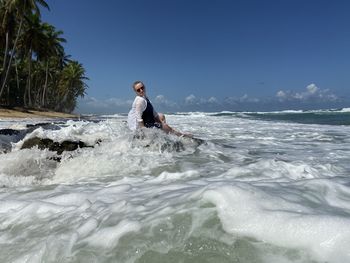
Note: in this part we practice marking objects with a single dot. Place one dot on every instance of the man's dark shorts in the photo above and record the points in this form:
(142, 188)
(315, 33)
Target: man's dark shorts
(153, 125)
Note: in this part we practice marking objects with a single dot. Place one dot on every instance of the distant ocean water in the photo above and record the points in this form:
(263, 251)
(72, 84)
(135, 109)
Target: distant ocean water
(330, 117)
(263, 187)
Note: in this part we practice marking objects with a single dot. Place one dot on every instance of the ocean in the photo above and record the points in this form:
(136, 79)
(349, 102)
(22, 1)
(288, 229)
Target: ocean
(260, 187)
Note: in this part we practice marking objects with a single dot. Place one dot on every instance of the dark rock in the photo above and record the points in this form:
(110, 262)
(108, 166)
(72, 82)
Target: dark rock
(36, 125)
(7, 136)
(53, 146)
(198, 141)
(55, 158)
(176, 146)
(9, 132)
(44, 125)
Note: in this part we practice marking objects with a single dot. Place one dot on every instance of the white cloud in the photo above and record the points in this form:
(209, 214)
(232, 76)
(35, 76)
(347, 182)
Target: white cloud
(231, 100)
(281, 95)
(213, 100)
(312, 88)
(118, 102)
(311, 95)
(191, 99)
(113, 105)
(93, 102)
(110, 105)
(312, 92)
(246, 98)
(243, 99)
(162, 100)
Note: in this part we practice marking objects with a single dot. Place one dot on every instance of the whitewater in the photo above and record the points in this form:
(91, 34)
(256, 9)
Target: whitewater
(260, 188)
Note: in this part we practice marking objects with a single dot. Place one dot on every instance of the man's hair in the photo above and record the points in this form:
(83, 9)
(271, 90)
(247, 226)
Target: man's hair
(137, 82)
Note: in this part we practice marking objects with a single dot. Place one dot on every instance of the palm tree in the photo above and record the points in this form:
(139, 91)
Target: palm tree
(71, 85)
(7, 29)
(20, 9)
(44, 75)
(53, 48)
(32, 43)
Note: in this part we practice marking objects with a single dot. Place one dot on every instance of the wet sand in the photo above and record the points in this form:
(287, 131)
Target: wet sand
(26, 113)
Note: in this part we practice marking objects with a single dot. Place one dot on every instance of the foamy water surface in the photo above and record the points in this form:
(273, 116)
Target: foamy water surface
(255, 191)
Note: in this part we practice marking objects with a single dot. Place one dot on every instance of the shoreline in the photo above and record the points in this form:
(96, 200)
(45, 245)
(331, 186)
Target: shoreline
(21, 113)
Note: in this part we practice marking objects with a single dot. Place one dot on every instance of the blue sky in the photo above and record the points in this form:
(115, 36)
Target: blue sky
(209, 55)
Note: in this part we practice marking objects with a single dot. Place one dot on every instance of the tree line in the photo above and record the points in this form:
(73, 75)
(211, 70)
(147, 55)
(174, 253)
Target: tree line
(35, 71)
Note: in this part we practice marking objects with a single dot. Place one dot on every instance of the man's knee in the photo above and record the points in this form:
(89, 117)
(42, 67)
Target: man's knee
(161, 117)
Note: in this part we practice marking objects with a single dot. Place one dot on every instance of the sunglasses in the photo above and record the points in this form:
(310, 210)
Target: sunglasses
(140, 88)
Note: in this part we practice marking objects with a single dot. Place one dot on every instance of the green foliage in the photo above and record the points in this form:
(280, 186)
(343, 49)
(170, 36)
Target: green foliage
(35, 71)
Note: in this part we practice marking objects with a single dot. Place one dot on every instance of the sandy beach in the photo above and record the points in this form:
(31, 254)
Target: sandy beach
(25, 113)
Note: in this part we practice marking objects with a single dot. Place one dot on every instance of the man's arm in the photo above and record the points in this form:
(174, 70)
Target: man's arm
(139, 109)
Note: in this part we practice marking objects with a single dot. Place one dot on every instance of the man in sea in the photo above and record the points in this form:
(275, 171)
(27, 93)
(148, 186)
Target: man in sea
(142, 113)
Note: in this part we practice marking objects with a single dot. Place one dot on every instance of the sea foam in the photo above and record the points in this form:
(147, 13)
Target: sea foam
(254, 191)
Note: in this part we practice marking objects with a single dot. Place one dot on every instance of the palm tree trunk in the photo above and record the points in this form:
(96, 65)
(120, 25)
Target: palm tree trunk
(17, 75)
(25, 96)
(4, 62)
(29, 77)
(37, 92)
(5, 56)
(45, 85)
(17, 81)
(11, 56)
